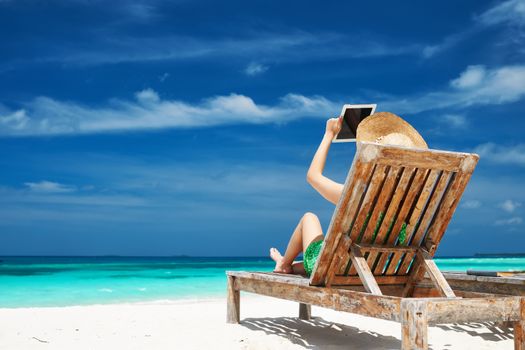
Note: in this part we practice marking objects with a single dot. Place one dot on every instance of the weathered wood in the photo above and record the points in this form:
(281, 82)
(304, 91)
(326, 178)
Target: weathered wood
(233, 302)
(340, 256)
(363, 270)
(346, 208)
(519, 328)
(305, 311)
(483, 284)
(421, 158)
(297, 280)
(449, 205)
(379, 306)
(433, 271)
(391, 217)
(494, 309)
(384, 197)
(339, 280)
(414, 325)
(417, 272)
(385, 248)
(368, 203)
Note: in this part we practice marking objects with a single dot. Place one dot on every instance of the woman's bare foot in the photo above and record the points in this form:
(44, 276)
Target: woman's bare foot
(278, 258)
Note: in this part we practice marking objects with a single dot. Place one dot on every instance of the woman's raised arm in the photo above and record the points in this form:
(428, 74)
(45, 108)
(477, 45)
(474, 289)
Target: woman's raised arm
(328, 188)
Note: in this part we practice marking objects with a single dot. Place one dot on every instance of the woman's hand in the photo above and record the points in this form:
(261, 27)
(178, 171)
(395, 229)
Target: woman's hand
(333, 126)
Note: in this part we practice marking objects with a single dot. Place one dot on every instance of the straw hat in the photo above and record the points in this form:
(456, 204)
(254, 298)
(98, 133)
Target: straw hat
(389, 129)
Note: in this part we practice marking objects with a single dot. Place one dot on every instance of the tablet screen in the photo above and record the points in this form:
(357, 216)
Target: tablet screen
(352, 116)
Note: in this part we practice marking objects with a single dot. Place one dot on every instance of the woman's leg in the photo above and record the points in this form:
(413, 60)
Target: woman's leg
(307, 231)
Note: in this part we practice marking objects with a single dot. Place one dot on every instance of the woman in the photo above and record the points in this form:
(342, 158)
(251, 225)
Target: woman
(308, 235)
(384, 128)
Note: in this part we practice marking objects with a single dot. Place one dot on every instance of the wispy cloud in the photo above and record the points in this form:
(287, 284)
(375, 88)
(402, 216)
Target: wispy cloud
(514, 155)
(293, 46)
(454, 121)
(509, 222)
(46, 116)
(255, 68)
(476, 85)
(509, 205)
(511, 11)
(471, 204)
(49, 187)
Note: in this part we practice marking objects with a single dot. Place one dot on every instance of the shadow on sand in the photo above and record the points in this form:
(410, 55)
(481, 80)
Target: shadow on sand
(321, 334)
(489, 331)
(318, 333)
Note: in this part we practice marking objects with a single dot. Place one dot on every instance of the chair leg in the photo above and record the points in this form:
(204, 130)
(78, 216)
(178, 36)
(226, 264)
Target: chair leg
(414, 325)
(519, 328)
(233, 302)
(305, 311)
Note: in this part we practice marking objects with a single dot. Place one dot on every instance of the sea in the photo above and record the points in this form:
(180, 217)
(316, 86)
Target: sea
(65, 281)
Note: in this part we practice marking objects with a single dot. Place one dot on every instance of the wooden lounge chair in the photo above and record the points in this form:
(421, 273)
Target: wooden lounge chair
(395, 208)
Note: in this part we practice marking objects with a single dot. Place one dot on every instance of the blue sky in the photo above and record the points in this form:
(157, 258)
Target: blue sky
(187, 127)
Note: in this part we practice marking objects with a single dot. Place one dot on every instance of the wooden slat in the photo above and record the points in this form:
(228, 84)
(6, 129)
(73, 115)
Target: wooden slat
(363, 270)
(421, 158)
(387, 191)
(433, 271)
(450, 202)
(385, 248)
(348, 203)
(340, 258)
(391, 215)
(405, 265)
(416, 217)
(403, 182)
(432, 207)
(408, 205)
(374, 187)
(355, 280)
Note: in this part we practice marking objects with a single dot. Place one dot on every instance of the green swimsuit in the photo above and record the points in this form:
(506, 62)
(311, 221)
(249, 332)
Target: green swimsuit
(312, 251)
(310, 256)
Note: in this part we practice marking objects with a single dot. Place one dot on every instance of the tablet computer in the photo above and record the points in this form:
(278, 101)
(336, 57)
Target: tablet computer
(352, 116)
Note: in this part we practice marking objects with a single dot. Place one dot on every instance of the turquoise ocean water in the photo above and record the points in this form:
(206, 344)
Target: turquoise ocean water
(63, 281)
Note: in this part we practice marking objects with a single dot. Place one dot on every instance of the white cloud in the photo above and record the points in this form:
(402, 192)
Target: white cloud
(502, 154)
(509, 222)
(471, 204)
(509, 205)
(147, 96)
(476, 85)
(471, 77)
(46, 116)
(511, 11)
(454, 121)
(49, 187)
(255, 69)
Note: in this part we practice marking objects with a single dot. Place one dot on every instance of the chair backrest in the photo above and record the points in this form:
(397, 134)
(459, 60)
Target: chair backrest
(395, 200)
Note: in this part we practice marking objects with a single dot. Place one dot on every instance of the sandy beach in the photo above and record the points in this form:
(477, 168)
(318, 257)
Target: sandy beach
(266, 323)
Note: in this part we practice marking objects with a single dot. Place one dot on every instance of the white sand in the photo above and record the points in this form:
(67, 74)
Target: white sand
(266, 323)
